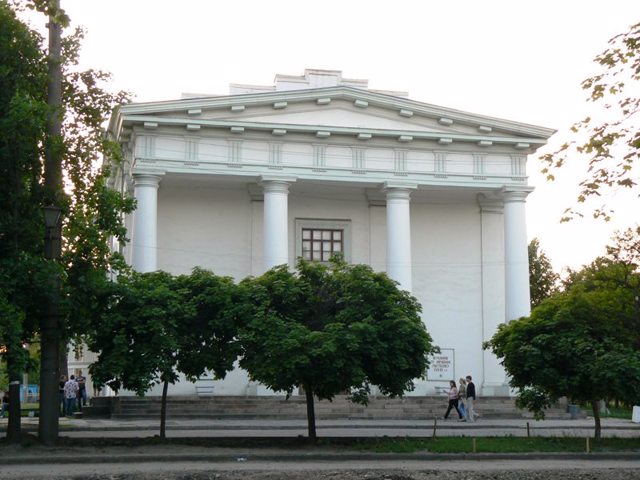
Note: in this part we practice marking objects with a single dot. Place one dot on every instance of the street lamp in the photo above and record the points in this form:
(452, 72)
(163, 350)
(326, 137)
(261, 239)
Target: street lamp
(52, 216)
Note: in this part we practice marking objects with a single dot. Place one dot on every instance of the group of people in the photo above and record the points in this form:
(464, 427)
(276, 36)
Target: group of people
(462, 399)
(73, 393)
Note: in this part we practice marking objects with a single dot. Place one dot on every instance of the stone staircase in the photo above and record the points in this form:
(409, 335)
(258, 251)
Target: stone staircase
(278, 407)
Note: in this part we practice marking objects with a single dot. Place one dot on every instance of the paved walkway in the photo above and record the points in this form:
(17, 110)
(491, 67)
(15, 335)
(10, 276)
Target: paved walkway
(37, 461)
(98, 428)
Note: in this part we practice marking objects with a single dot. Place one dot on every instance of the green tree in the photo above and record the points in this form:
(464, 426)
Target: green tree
(618, 274)
(543, 281)
(570, 347)
(207, 332)
(331, 329)
(92, 212)
(611, 146)
(157, 326)
(136, 335)
(23, 112)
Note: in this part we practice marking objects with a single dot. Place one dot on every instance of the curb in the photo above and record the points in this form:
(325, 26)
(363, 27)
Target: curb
(244, 457)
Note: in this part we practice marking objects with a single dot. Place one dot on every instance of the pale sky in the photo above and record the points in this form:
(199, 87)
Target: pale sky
(521, 61)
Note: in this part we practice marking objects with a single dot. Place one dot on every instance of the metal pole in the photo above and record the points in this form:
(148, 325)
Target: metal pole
(50, 323)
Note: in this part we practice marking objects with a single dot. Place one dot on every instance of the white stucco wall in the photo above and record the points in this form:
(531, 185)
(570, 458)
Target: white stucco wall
(220, 228)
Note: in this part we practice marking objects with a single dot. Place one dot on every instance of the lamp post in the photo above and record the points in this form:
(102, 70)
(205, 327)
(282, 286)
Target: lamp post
(52, 238)
(50, 333)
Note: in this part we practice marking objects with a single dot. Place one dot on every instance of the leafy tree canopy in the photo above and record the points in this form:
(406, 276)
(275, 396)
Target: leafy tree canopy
(571, 345)
(332, 329)
(611, 146)
(543, 281)
(156, 326)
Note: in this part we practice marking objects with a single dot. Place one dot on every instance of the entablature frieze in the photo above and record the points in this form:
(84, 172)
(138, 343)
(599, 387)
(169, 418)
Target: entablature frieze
(402, 136)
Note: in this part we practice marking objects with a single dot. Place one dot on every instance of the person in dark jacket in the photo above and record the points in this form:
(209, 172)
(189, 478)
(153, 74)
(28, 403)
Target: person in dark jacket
(471, 398)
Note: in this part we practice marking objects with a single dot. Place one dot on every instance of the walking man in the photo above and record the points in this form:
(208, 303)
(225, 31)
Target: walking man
(70, 395)
(471, 398)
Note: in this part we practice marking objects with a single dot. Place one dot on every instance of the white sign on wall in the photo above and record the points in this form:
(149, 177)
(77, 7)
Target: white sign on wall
(441, 366)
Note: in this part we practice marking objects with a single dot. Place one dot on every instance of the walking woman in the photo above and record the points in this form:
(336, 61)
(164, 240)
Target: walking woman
(462, 395)
(453, 400)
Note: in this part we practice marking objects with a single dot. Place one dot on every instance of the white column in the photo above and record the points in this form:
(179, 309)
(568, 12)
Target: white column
(145, 222)
(494, 379)
(399, 235)
(517, 300)
(276, 222)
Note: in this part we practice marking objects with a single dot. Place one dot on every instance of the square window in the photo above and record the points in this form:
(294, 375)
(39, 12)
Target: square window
(318, 240)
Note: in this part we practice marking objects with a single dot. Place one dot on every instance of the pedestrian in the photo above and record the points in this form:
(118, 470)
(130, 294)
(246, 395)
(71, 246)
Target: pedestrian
(70, 395)
(453, 400)
(4, 407)
(63, 380)
(471, 398)
(82, 390)
(462, 398)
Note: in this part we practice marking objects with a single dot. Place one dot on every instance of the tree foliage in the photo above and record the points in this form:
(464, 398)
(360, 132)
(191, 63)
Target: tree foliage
(23, 112)
(157, 326)
(543, 281)
(136, 336)
(208, 332)
(92, 212)
(331, 329)
(611, 146)
(575, 344)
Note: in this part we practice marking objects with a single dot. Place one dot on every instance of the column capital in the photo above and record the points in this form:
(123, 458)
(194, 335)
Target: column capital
(276, 184)
(398, 190)
(147, 179)
(510, 195)
(489, 203)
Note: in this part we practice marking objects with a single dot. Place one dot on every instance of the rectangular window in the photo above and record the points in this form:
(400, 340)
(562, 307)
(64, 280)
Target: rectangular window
(318, 240)
(319, 244)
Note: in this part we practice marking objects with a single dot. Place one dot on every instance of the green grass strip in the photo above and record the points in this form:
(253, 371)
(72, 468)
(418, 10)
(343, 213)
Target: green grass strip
(495, 445)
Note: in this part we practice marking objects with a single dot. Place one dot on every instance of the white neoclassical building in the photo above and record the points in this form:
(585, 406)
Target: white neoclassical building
(318, 163)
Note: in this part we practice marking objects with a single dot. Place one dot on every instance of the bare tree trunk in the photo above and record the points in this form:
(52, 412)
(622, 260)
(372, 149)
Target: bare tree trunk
(163, 410)
(596, 416)
(311, 414)
(14, 426)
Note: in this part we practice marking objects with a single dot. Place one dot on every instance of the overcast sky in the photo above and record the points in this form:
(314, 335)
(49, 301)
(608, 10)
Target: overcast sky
(522, 61)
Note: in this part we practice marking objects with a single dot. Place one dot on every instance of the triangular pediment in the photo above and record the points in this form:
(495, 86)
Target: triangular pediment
(339, 114)
(336, 107)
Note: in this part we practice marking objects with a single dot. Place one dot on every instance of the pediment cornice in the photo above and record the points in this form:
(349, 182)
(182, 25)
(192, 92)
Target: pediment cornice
(141, 112)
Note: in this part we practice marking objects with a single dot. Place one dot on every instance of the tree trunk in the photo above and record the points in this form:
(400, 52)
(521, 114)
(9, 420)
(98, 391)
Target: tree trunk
(50, 323)
(14, 426)
(595, 406)
(311, 414)
(163, 410)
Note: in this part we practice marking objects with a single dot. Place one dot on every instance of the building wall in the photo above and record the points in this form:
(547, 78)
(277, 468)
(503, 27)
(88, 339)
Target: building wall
(220, 228)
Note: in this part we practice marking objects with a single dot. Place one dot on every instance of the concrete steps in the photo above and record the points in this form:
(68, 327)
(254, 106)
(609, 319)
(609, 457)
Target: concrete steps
(273, 407)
